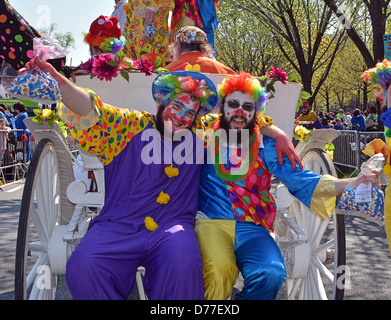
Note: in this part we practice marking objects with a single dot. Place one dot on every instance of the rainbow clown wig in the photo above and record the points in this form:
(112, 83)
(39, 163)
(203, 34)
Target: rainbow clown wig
(245, 83)
(105, 33)
(169, 84)
(380, 75)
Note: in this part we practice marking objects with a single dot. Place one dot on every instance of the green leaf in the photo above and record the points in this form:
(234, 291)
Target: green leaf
(293, 78)
(37, 112)
(35, 119)
(128, 64)
(125, 75)
(305, 95)
(50, 123)
(113, 63)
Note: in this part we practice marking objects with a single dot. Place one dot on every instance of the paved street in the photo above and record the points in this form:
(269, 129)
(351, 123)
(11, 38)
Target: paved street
(368, 256)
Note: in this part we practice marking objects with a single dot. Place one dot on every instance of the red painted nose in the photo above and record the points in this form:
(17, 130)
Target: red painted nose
(239, 112)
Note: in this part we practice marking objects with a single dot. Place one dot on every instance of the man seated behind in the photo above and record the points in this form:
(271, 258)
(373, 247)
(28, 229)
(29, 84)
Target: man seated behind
(191, 48)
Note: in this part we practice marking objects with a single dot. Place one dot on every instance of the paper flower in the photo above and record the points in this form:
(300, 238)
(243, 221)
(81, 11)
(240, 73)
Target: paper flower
(171, 172)
(48, 116)
(301, 133)
(144, 65)
(150, 224)
(279, 74)
(103, 69)
(163, 198)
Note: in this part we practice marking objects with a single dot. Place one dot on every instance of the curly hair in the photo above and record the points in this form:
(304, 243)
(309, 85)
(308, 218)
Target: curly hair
(245, 83)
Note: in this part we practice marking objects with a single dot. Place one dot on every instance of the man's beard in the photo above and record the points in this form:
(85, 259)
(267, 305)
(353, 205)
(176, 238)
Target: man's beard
(225, 125)
(160, 123)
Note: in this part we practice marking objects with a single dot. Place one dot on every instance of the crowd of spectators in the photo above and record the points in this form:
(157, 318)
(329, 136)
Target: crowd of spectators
(357, 120)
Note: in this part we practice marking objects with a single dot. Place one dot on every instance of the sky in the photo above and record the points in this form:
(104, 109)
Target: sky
(73, 16)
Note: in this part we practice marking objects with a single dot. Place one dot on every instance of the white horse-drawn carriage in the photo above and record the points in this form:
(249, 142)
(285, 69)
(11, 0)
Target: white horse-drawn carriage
(56, 209)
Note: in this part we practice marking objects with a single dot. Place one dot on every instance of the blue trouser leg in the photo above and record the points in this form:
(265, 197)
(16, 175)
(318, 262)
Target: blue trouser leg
(260, 261)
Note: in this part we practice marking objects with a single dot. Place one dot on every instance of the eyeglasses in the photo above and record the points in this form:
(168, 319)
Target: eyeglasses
(247, 106)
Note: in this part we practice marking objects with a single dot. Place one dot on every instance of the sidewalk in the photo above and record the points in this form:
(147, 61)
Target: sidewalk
(10, 200)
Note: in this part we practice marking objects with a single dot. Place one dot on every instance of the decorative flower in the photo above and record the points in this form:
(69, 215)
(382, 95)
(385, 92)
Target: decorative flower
(48, 116)
(171, 172)
(301, 133)
(103, 69)
(163, 198)
(144, 65)
(278, 74)
(150, 224)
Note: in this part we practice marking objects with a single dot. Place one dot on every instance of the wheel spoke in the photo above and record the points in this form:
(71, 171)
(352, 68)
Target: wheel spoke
(312, 286)
(40, 212)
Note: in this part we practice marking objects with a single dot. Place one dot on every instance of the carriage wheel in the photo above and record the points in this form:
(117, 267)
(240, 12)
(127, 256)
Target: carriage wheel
(322, 277)
(39, 214)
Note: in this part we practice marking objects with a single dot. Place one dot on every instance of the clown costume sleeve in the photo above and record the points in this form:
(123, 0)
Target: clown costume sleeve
(106, 130)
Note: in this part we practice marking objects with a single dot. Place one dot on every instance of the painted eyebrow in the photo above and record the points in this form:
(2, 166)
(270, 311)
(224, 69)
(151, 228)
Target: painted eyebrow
(180, 103)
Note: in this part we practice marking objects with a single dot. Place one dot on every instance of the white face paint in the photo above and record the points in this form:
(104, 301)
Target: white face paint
(239, 109)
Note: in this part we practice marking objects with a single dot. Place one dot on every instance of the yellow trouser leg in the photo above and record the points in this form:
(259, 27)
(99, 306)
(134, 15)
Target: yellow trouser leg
(217, 242)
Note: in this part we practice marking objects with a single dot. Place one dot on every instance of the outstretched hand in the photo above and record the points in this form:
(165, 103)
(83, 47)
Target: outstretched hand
(285, 146)
(44, 66)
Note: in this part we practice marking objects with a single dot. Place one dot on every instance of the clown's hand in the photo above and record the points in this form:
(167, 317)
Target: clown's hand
(370, 172)
(283, 145)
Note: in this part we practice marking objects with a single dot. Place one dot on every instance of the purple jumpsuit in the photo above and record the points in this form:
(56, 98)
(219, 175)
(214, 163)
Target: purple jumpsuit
(104, 264)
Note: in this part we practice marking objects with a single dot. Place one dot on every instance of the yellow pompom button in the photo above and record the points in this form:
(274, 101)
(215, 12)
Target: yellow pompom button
(163, 198)
(150, 224)
(171, 172)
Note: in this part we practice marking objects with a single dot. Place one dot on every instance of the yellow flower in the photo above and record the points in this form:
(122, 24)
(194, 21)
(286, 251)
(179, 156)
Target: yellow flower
(150, 224)
(163, 198)
(302, 133)
(171, 172)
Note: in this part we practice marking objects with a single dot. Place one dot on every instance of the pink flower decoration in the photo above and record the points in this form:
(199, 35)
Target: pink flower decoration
(279, 74)
(144, 65)
(102, 68)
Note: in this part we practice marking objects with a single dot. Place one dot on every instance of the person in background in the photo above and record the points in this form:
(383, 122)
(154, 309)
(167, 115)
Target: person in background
(338, 124)
(198, 13)
(358, 121)
(21, 114)
(4, 130)
(103, 37)
(308, 118)
(2, 114)
(191, 48)
(119, 12)
(9, 116)
(371, 121)
(146, 29)
(325, 123)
